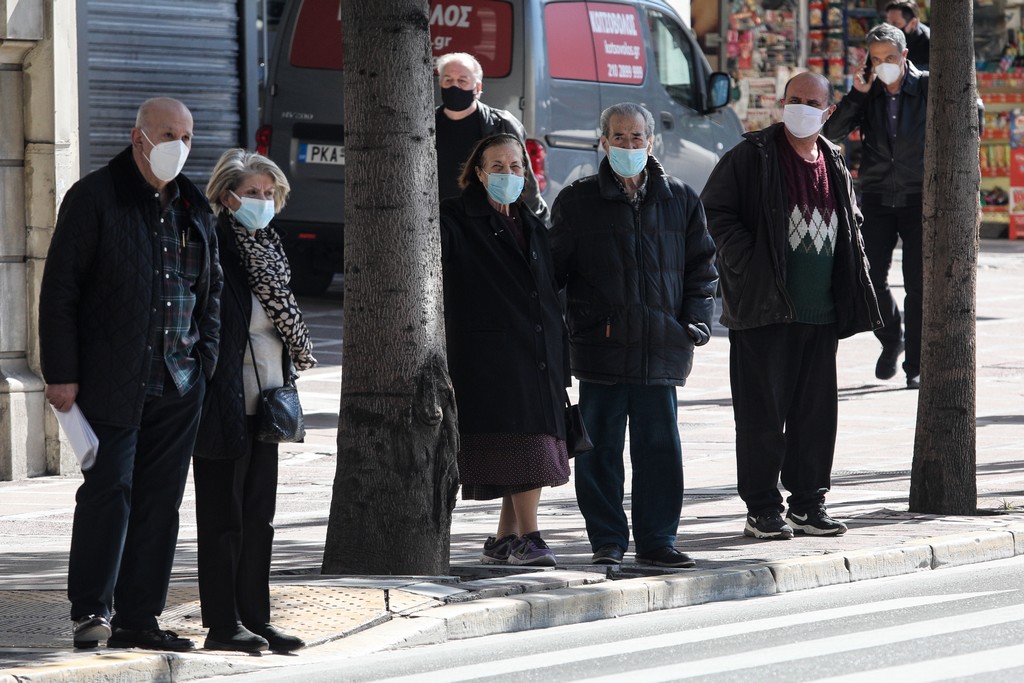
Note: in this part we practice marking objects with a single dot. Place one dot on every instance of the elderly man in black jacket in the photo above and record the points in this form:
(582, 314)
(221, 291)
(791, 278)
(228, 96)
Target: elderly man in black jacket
(463, 120)
(631, 247)
(129, 321)
(888, 104)
(781, 209)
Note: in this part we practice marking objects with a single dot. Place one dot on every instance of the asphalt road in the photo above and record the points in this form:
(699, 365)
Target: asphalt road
(961, 624)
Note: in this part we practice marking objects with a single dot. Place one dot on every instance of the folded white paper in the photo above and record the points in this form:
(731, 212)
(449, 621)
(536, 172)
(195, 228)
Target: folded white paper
(80, 435)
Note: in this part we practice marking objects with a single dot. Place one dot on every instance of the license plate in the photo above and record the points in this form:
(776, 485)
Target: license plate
(321, 154)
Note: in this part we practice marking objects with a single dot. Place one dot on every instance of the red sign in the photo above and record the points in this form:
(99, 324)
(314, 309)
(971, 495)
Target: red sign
(482, 28)
(618, 43)
(1017, 167)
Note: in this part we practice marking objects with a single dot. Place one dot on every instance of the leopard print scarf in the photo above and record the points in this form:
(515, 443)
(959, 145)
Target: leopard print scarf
(267, 270)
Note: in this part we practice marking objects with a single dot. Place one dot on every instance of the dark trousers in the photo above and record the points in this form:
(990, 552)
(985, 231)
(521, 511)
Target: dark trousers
(785, 400)
(126, 513)
(882, 227)
(235, 504)
(656, 457)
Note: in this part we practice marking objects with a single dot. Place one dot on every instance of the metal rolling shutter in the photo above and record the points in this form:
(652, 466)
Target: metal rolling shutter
(131, 50)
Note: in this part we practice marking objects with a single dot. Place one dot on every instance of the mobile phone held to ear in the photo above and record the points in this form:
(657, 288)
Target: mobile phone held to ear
(867, 69)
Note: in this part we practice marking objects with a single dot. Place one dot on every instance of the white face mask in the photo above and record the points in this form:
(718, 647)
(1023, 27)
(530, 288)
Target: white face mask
(167, 159)
(801, 120)
(888, 73)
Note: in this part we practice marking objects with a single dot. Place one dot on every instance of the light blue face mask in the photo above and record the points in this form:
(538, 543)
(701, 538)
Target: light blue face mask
(253, 214)
(504, 188)
(627, 162)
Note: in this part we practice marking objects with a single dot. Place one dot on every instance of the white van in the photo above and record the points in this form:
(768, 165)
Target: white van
(555, 64)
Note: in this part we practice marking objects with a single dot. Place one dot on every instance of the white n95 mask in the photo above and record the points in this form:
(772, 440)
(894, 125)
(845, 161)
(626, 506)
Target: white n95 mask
(167, 159)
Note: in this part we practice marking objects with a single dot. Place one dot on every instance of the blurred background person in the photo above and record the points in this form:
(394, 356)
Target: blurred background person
(506, 348)
(236, 475)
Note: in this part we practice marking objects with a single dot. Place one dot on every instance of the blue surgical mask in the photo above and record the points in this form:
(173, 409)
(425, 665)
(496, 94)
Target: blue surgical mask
(253, 214)
(504, 188)
(627, 162)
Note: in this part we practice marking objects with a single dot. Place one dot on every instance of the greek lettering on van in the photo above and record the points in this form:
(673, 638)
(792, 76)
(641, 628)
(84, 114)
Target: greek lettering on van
(622, 49)
(614, 23)
(452, 16)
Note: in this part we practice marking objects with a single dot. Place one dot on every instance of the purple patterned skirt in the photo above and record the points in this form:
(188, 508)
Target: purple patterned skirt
(496, 465)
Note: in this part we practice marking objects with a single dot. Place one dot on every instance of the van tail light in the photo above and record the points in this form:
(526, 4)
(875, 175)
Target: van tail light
(538, 155)
(263, 140)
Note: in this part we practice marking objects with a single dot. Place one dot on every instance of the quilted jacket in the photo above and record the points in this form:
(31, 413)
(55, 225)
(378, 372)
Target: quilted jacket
(634, 278)
(100, 294)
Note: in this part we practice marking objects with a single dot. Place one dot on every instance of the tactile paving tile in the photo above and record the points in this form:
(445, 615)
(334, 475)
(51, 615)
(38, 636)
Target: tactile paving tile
(315, 613)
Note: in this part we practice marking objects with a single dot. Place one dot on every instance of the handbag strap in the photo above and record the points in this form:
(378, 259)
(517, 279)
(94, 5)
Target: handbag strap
(252, 352)
(568, 403)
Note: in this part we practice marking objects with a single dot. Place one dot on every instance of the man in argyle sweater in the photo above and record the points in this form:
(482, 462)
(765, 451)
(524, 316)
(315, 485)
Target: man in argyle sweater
(794, 281)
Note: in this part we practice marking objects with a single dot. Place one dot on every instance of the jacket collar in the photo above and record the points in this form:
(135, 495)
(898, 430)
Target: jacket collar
(657, 181)
(766, 137)
(131, 187)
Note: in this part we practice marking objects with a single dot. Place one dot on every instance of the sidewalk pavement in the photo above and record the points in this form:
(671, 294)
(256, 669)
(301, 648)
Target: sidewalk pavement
(345, 616)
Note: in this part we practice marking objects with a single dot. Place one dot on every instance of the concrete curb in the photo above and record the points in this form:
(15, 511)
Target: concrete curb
(558, 598)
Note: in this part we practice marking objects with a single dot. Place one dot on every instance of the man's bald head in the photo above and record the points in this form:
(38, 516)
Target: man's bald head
(811, 86)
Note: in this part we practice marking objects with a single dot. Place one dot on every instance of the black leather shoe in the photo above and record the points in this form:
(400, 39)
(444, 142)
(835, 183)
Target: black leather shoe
(885, 368)
(666, 557)
(607, 554)
(89, 630)
(149, 639)
(914, 382)
(235, 638)
(279, 641)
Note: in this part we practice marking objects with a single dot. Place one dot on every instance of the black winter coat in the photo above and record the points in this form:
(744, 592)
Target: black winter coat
(506, 339)
(100, 297)
(634, 280)
(493, 121)
(223, 432)
(888, 176)
(745, 200)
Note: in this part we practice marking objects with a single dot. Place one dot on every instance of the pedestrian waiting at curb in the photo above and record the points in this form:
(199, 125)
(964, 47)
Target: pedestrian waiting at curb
(794, 282)
(506, 348)
(631, 247)
(462, 120)
(263, 337)
(128, 330)
(888, 104)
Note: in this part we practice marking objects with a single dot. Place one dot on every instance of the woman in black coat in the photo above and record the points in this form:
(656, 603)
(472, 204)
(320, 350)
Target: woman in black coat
(506, 348)
(236, 476)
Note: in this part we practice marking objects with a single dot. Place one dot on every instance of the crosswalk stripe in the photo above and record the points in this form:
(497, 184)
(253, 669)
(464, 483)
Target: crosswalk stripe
(589, 652)
(943, 669)
(832, 645)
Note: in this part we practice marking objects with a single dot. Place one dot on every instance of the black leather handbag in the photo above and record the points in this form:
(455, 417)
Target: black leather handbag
(576, 438)
(279, 412)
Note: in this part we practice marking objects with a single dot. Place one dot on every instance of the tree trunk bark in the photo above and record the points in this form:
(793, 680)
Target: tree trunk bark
(942, 479)
(396, 479)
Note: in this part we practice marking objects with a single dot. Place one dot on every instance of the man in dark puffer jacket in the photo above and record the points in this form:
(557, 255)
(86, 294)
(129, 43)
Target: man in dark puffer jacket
(795, 281)
(129, 324)
(633, 251)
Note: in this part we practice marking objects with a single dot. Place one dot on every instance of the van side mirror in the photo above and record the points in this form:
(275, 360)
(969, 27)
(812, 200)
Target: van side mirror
(718, 90)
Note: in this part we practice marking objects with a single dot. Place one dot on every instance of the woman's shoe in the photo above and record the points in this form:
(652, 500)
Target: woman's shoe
(235, 638)
(278, 640)
(531, 550)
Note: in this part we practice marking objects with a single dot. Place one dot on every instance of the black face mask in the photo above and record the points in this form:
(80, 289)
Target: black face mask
(457, 99)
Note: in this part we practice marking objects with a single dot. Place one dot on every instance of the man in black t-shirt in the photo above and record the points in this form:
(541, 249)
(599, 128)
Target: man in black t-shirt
(462, 120)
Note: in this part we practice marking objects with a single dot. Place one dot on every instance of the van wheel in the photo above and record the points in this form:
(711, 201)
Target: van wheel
(308, 280)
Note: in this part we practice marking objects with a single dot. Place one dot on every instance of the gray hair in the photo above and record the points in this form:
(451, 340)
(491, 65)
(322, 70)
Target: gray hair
(630, 110)
(237, 164)
(886, 33)
(466, 59)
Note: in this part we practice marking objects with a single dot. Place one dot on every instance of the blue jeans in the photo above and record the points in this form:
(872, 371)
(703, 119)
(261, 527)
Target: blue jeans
(126, 513)
(656, 457)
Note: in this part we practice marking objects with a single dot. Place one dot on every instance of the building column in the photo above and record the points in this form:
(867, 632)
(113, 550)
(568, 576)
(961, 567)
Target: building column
(38, 162)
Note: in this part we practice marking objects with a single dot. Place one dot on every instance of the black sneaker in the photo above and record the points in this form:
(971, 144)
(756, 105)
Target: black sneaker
(815, 522)
(89, 630)
(767, 525)
(497, 550)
